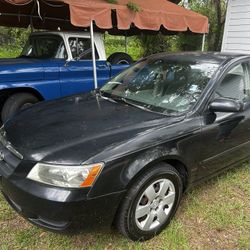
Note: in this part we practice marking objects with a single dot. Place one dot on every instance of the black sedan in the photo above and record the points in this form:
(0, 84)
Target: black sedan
(126, 153)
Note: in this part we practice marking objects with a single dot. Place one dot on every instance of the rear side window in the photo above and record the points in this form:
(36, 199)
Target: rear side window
(81, 48)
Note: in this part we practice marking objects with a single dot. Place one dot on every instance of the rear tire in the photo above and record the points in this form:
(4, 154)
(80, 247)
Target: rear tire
(120, 58)
(150, 203)
(16, 103)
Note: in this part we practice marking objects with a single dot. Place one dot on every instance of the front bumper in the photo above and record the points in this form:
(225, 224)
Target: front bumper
(59, 209)
(51, 207)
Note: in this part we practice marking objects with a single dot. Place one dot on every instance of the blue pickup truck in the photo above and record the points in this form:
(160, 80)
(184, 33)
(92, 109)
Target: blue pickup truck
(53, 65)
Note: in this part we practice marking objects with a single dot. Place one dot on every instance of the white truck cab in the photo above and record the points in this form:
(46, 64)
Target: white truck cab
(73, 41)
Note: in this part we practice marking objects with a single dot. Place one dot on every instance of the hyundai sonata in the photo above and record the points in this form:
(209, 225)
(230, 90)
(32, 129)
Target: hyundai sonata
(126, 153)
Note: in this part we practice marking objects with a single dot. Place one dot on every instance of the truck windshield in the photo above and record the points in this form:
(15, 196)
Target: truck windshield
(161, 86)
(45, 47)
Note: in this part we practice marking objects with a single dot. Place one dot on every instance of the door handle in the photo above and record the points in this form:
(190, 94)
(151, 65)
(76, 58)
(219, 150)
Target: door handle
(102, 66)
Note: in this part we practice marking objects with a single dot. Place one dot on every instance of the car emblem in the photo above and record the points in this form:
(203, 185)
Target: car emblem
(1, 156)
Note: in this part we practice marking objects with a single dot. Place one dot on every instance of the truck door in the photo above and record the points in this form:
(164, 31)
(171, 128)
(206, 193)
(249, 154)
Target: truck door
(76, 76)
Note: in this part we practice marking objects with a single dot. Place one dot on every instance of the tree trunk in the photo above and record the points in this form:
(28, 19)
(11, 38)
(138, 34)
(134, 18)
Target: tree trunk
(220, 21)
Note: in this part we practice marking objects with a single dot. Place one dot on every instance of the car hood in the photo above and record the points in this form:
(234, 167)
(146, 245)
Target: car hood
(82, 128)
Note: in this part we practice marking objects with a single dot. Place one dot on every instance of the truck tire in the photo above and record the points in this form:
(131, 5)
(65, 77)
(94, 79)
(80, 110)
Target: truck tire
(15, 103)
(120, 58)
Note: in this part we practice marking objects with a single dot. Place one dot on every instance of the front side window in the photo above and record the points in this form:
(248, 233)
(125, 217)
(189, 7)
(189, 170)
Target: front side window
(45, 47)
(81, 48)
(161, 85)
(235, 84)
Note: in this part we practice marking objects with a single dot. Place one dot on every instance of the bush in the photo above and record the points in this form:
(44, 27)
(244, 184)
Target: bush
(117, 44)
(9, 52)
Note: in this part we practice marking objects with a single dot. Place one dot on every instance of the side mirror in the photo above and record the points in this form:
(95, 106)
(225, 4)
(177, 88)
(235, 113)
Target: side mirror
(225, 105)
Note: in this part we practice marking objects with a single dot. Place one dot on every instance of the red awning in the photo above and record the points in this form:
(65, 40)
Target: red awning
(154, 16)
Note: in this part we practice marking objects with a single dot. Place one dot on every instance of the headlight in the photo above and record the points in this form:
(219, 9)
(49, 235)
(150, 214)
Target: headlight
(65, 176)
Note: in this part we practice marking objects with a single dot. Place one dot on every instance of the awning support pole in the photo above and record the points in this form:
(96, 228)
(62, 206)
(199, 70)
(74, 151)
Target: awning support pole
(93, 53)
(203, 42)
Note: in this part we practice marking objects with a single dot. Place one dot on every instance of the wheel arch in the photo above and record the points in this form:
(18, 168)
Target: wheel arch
(6, 93)
(175, 162)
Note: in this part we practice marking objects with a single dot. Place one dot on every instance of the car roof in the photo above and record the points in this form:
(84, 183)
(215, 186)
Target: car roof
(211, 57)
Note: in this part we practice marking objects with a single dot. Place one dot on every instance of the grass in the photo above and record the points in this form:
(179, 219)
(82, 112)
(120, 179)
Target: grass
(214, 215)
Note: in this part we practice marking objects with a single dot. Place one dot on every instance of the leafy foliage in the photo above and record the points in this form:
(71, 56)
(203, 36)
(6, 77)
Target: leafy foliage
(13, 37)
(152, 44)
(215, 10)
(12, 41)
(133, 6)
(117, 44)
(112, 1)
(9, 52)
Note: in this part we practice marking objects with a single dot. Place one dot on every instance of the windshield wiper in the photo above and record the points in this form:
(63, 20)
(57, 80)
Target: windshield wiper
(124, 100)
(117, 83)
(166, 113)
(99, 92)
(107, 98)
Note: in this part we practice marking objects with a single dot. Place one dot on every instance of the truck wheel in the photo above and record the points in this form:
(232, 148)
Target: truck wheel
(17, 102)
(120, 58)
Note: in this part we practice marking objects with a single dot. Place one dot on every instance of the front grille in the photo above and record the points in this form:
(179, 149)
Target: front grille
(9, 157)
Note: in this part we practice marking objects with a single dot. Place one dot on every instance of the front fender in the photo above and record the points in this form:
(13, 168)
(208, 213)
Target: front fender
(183, 148)
(47, 89)
(149, 158)
(39, 75)
(119, 174)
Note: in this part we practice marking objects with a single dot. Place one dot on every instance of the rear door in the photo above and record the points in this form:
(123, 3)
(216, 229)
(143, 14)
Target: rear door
(77, 75)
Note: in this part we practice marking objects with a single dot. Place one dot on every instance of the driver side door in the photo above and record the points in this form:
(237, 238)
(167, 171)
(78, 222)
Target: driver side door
(76, 76)
(226, 136)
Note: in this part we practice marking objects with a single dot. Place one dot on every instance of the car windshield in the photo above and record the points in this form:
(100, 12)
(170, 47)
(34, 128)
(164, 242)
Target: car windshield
(160, 85)
(45, 47)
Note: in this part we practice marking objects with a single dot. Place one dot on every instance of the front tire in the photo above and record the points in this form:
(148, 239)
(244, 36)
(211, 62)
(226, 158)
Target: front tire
(16, 103)
(150, 203)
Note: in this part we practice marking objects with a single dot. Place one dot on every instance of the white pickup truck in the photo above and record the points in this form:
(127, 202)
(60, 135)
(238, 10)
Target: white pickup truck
(53, 65)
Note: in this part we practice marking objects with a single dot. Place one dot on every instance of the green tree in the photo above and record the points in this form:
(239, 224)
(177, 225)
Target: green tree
(13, 37)
(215, 10)
(12, 41)
(152, 44)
